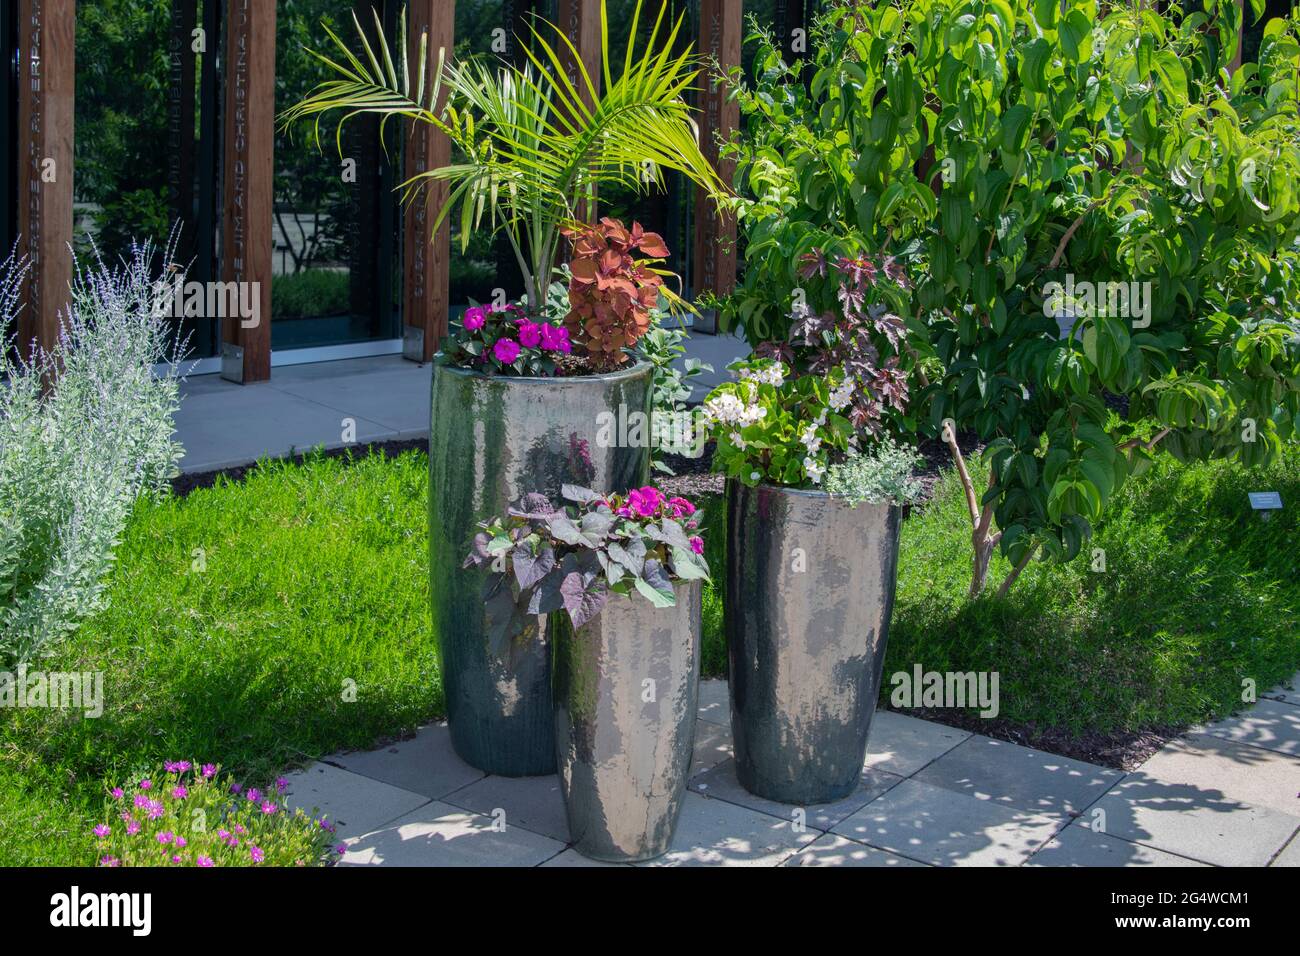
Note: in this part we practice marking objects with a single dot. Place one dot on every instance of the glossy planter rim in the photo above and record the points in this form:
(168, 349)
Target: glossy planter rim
(630, 371)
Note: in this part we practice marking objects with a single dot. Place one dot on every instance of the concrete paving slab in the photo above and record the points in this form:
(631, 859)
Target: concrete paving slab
(717, 833)
(715, 704)
(1190, 821)
(945, 828)
(426, 764)
(902, 745)
(221, 429)
(353, 803)
(438, 834)
(832, 850)
(1264, 778)
(720, 783)
(572, 858)
(1288, 691)
(1271, 724)
(534, 803)
(1019, 777)
(1079, 846)
(712, 746)
(1290, 855)
(397, 397)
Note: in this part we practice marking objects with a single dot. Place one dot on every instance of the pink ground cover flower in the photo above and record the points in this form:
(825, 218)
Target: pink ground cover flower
(204, 861)
(102, 830)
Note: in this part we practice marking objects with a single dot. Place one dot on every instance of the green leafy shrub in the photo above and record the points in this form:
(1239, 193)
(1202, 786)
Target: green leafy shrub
(310, 293)
(1009, 150)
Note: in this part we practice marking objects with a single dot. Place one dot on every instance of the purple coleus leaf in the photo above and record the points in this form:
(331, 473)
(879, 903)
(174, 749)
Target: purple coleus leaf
(480, 554)
(578, 494)
(532, 567)
(630, 554)
(582, 601)
(563, 529)
(655, 584)
(534, 506)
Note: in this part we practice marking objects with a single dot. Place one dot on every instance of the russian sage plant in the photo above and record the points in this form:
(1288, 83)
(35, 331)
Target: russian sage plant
(85, 429)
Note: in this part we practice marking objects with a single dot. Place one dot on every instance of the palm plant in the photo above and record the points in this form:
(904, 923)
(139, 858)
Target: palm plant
(535, 144)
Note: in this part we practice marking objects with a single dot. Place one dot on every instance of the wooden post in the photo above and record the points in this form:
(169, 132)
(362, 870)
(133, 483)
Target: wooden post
(47, 77)
(580, 21)
(249, 186)
(427, 288)
(180, 123)
(715, 234)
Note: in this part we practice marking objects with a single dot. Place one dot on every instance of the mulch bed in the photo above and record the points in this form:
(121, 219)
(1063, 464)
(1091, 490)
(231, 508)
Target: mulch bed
(692, 479)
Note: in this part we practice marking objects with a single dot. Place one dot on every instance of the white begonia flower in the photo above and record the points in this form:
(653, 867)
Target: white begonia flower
(738, 441)
(754, 476)
(815, 470)
(842, 395)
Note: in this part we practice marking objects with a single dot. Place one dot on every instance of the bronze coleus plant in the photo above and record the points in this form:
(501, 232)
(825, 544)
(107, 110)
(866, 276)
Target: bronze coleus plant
(611, 291)
(570, 558)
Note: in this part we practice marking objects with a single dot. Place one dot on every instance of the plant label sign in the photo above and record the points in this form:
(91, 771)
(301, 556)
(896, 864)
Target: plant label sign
(1265, 501)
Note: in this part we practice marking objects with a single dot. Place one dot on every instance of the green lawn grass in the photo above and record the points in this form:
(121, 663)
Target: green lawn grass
(243, 615)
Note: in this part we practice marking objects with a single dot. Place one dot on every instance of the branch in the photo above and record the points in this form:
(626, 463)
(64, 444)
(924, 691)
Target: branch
(1015, 572)
(1148, 445)
(1069, 233)
(950, 436)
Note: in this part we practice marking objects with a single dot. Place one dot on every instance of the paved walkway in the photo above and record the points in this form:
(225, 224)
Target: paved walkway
(354, 401)
(1226, 794)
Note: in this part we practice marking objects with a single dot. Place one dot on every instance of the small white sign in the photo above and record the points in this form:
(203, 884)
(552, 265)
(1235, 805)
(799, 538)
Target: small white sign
(1265, 500)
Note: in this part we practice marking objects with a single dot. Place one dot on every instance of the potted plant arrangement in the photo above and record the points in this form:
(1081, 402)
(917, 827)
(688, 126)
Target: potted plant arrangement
(519, 390)
(814, 488)
(622, 577)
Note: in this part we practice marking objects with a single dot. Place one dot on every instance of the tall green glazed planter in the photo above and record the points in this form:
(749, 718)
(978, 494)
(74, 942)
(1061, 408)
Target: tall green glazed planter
(810, 590)
(493, 439)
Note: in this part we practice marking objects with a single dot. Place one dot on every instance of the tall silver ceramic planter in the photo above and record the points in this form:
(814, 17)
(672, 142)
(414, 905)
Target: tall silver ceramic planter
(626, 691)
(491, 440)
(810, 589)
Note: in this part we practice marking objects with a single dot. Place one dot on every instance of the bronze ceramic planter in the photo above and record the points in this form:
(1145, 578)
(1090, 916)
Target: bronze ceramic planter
(809, 593)
(491, 440)
(626, 692)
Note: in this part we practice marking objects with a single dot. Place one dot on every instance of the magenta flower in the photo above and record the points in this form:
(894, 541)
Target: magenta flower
(697, 544)
(155, 809)
(180, 842)
(555, 338)
(180, 793)
(681, 507)
(254, 795)
(530, 334)
(281, 785)
(204, 861)
(506, 351)
(117, 793)
(146, 783)
(165, 837)
(109, 861)
(341, 849)
(177, 766)
(141, 800)
(645, 501)
(474, 319)
(102, 830)
(235, 789)
(269, 808)
(223, 834)
(256, 853)
(133, 828)
(208, 770)
(176, 858)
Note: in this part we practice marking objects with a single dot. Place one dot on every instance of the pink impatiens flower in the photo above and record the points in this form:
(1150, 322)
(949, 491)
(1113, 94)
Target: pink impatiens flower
(681, 507)
(474, 319)
(555, 338)
(645, 501)
(530, 334)
(697, 544)
(506, 350)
